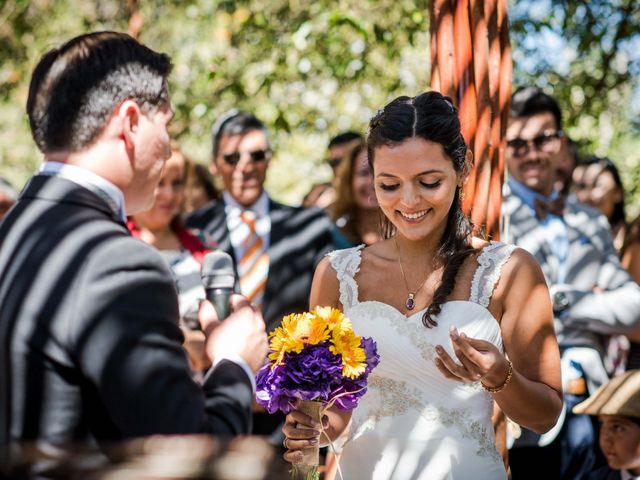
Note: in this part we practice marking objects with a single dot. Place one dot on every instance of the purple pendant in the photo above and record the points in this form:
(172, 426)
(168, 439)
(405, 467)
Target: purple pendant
(410, 303)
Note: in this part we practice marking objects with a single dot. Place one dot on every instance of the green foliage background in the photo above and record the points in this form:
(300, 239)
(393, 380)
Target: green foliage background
(311, 70)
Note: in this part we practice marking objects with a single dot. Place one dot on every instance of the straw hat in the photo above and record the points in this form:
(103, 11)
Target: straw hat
(619, 396)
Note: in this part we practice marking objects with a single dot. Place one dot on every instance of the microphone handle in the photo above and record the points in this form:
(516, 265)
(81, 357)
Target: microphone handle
(220, 299)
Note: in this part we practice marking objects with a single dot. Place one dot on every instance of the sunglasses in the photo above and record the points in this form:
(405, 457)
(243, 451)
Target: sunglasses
(255, 156)
(544, 143)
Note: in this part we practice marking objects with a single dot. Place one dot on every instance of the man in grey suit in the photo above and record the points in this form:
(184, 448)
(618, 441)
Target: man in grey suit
(592, 295)
(90, 349)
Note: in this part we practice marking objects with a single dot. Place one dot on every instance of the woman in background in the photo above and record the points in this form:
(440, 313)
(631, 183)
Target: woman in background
(161, 226)
(355, 211)
(600, 186)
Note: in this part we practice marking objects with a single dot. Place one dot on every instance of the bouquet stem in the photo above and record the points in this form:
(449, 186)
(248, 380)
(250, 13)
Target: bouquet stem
(307, 469)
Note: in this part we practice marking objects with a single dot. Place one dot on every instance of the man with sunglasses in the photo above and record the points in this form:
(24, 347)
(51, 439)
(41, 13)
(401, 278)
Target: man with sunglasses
(592, 295)
(275, 247)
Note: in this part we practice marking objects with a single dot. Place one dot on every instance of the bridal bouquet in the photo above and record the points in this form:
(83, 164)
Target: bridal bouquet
(317, 358)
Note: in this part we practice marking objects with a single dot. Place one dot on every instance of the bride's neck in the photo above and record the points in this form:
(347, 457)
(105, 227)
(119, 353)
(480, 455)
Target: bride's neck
(415, 252)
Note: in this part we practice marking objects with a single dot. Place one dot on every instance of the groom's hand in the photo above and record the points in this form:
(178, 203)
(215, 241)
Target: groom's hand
(479, 360)
(241, 334)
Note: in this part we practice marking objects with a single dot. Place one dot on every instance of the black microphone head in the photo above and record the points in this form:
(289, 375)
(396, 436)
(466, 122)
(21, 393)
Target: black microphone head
(217, 270)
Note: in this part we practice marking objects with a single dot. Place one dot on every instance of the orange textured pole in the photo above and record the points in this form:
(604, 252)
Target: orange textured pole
(505, 85)
(467, 99)
(445, 53)
(480, 46)
(495, 185)
(471, 63)
(433, 48)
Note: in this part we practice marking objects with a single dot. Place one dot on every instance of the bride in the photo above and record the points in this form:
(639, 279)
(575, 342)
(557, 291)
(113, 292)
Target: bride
(459, 322)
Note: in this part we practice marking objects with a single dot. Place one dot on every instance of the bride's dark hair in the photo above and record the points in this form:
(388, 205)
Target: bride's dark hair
(433, 117)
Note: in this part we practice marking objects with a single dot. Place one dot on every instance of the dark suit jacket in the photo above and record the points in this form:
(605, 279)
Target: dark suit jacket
(299, 238)
(90, 348)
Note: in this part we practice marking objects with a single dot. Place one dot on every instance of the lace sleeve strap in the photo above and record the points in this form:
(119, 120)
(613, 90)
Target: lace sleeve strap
(487, 274)
(346, 263)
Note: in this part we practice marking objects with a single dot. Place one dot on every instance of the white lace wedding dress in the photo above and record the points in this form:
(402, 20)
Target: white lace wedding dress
(413, 423)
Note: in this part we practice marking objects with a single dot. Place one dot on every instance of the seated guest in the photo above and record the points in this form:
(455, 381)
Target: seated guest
(592, 296)
(355, 210)
(324, 194)
(617, 406)
(161, 226)
(602, 188)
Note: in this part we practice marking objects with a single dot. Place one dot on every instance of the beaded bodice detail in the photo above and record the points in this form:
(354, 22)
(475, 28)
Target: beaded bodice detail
(346, 263)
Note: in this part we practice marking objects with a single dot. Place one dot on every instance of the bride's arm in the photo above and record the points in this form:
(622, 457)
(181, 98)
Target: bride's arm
(529, 392)
(325, 292)
(533, 399)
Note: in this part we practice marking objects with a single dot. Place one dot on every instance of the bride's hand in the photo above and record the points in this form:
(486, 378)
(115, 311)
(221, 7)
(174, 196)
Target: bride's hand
(301, 432)
(479, 360)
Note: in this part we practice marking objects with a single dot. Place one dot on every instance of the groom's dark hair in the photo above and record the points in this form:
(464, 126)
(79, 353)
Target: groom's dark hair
(76, 87)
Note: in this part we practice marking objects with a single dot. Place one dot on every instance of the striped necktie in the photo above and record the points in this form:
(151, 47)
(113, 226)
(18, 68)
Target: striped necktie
(253, 266)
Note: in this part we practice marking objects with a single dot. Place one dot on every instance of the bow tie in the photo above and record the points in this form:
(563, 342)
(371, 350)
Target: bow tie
(546, 207)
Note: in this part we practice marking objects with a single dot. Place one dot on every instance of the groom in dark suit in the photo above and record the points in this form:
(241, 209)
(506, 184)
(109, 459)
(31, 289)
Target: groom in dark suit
(90, 349)
(275, 247)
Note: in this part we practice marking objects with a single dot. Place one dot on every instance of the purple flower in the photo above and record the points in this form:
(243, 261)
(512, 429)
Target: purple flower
(313, 374)
(371, 352)
(308, 375)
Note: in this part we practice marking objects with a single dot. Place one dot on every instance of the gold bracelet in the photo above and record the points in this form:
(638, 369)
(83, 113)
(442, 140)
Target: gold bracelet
(501, 387)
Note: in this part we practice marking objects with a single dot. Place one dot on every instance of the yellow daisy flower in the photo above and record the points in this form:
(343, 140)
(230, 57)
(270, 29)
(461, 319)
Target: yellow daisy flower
(334, 318)
(347, 344)
(288, 337)
(318, 331)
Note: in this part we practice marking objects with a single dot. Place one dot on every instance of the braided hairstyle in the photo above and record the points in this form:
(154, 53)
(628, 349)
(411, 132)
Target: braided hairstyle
(433, 117)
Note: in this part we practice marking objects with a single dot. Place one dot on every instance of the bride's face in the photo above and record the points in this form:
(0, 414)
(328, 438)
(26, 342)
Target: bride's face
(415, 184)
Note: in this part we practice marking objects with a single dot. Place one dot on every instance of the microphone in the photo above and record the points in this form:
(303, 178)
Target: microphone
(218, 279)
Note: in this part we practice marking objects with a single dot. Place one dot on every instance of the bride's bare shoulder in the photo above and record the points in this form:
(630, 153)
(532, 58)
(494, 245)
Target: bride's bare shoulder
(325, 288)
(520, 274)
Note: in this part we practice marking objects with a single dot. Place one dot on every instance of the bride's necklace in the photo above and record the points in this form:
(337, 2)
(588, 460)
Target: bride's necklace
(410, 303)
